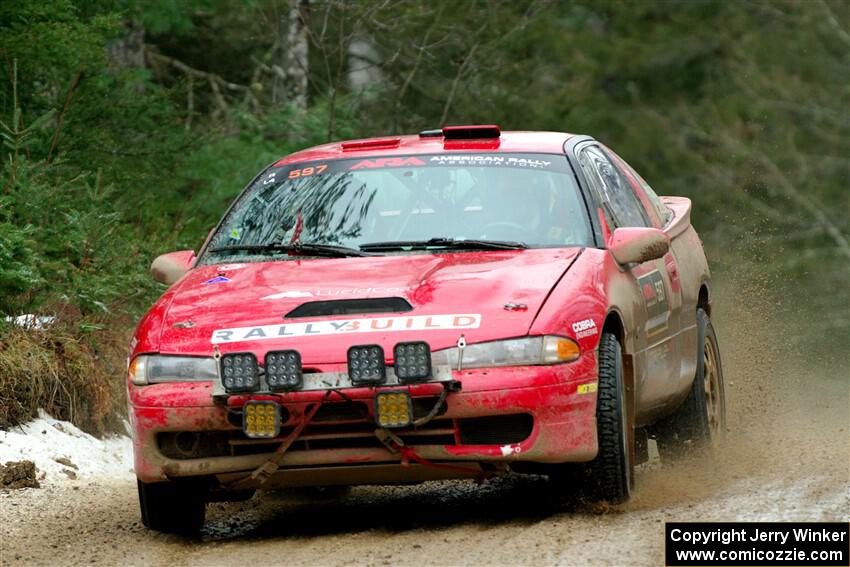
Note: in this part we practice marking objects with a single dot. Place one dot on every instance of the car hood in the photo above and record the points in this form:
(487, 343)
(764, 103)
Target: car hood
(241, 307)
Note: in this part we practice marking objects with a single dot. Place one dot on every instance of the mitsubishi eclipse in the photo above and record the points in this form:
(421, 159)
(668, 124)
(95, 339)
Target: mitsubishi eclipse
(455, 304)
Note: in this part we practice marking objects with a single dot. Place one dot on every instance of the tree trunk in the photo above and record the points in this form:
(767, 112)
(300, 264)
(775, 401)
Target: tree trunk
(128, 51)
(364, 75)
(297, 44)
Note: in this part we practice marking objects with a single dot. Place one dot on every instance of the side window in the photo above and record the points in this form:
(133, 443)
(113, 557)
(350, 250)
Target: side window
(664, 213)
(619, 202)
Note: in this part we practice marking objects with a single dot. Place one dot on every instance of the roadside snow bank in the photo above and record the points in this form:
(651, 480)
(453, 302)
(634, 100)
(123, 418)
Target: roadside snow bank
(62, 452)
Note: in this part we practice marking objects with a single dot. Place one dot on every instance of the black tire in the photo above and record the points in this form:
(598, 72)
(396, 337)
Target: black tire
(701, 419)
(610, 474)
(176, 507)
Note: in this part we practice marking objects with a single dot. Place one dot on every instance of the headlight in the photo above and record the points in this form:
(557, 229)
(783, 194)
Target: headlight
(153, 369)
(526, 351)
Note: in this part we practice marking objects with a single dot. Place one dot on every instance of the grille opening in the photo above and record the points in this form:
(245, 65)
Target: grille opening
(344, 443)
(496, 429)
(343, 411)
(423, 406)
(255, 449)
(346, 436)
(339, 432)
(348, 412)
(350, 307)
(193, 444)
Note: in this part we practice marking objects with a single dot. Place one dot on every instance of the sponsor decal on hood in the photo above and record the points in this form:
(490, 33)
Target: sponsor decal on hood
(288, 295)
(295, 294)
(369, 325)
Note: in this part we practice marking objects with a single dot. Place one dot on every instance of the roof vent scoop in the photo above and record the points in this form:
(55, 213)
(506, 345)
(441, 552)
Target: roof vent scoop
(475, 132)
(374, 143)
(350, 307)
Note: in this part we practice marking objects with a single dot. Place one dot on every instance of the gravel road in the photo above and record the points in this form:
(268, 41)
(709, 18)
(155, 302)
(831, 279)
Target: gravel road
(786, 456)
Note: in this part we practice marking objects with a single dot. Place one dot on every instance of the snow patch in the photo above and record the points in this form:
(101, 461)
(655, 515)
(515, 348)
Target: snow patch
(32, 322)
(44, 440)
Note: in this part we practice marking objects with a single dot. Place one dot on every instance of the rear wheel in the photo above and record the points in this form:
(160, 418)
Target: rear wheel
(175, 507)
(610, 474)
(701, 419)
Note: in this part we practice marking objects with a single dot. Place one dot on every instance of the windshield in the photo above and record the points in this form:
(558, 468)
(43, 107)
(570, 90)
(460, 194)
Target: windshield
(528, 200)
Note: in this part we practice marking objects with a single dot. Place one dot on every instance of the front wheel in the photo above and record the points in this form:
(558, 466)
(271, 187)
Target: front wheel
(701, 419)
(610, 473)
(177, 507)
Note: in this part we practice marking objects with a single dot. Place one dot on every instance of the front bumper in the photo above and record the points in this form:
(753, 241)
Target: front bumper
(562, 428)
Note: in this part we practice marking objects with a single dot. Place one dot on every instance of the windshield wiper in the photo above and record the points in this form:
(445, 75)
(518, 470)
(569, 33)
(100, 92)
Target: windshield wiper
(442, 242)
(303, 249)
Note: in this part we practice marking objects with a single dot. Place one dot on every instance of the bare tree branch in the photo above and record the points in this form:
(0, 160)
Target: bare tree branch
(455, 81)
(62, 114)
(840, 32)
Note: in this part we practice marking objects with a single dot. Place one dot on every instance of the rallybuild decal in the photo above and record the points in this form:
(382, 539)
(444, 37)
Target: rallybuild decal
(371, 325)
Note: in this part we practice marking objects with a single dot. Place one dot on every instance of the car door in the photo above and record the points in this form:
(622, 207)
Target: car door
(684, 309)
(655, 281)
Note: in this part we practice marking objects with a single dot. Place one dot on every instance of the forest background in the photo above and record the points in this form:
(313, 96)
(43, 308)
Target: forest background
(127, 127)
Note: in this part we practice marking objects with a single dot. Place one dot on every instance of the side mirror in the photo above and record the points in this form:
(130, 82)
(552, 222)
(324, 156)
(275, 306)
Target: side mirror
(638, 244)
(170, 267)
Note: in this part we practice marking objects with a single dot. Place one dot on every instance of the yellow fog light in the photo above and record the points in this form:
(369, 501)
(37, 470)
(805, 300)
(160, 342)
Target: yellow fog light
(260, 419)
(393, 409)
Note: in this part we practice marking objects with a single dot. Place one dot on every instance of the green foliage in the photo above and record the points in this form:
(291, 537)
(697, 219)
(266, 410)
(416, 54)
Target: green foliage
(161, 17)
(51, 44)
(20, 272)
(741, 106)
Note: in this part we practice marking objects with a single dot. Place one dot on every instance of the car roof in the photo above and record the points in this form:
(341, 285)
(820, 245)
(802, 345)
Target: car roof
(511, 141)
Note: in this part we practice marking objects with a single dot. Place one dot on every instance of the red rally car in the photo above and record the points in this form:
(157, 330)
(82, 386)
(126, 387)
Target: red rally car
(455, 304)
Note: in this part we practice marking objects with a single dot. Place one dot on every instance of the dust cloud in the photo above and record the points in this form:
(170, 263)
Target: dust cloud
(788, 409)
(785, 456)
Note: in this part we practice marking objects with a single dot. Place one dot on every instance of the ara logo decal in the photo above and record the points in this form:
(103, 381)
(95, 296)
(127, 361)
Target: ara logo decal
(585, 328)
(288, 295)
(215, 280)
(386, 162)
(343, 327)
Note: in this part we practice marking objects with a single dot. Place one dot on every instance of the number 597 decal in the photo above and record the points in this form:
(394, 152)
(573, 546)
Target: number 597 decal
(307, 171)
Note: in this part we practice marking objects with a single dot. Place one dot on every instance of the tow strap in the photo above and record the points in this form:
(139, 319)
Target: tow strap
(267, 469)
(396, 446)
(390, 440)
